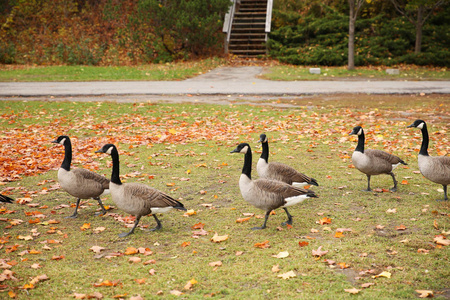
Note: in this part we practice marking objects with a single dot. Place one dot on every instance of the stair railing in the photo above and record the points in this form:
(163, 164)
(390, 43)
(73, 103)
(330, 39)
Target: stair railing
(268, 17)
(228, 22)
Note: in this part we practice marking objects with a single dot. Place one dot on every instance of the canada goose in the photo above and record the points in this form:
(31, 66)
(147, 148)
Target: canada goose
(279, 171)
(437, 168)
(6, 199)
(80, 183)
(373, 162)
(137, 199)
(268, 194)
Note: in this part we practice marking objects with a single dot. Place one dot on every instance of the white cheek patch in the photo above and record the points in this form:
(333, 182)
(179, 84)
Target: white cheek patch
(244, 150)
(420, 126)
(62, 141)
(360, 131)
(109, 150)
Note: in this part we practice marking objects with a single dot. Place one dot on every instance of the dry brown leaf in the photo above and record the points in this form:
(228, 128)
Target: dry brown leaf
(97, 249)
(215, 263)
(282, 254)
(287, 275)
(134, 259)
(425, 293)
(319, 252)
(276, 269)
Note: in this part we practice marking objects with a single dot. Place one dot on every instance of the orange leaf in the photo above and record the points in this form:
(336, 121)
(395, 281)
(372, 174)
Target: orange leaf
(242, 220)
(338, 234)
(262, 245)
(85, 226)
(198, 226)
(325, 220)
(303, 243)
(185, 244)
(401, 227)
(131, 251)
(404, 181)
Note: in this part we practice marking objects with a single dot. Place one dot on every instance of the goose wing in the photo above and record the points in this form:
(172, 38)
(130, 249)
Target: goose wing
(381, 155)
(4, 198)
(91, 178)
(151, 196)
(280, 189)
(286, 173)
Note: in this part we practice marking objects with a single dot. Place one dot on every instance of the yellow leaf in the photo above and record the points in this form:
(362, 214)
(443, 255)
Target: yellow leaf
(219, 238)
(287, 275)
(172, 131)
(282, 254)
(383, 274)
(85, 226)
(425, 293)
(190, 212)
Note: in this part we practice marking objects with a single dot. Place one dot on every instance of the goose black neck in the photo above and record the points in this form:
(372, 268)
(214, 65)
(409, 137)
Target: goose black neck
(67, 155)
(425, 141)
(247, 169)
(115, 178)
(265, 152)
(361, 140)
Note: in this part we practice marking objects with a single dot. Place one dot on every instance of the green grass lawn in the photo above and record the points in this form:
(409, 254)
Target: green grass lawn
(173, 71)
(184, 150)
(184, 70)
(290, 73)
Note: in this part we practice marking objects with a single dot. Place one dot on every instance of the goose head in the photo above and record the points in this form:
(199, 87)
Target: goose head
(357, 130)
(263, 138)
(108, 148)
(61, 139)
(241, 148)
(418, 124)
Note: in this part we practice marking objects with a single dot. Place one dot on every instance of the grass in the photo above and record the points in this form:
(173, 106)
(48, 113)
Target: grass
(290, 73)
(174, 71)
(184, 70)
(164, 144)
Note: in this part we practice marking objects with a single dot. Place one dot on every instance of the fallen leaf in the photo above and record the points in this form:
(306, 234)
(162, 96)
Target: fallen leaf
(141, 281)
(425, 293)
(190, 284)
(367, 284)
(262, 245)
(176, 293)
(303, 243)
(97, 249)
(198, 226)
(287, 275)
(441, 240)
(134, 259)
(400, 227)
(242, 220)
(131, 251)
(383, 274)
(319, 252)
(215, 263)
(276, 269)
(282, 254)
(391, 211)
(338, 234)
(324, 220)
(185, 244)
(85, 226)
(219, 238)
(190, 212)
(352, 291)
(99, 229)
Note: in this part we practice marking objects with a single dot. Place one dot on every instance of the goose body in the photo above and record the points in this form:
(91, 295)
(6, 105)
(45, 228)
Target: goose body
(80, 183)
(279, 171)
(434, 168)
(6, 199)
(135, 198)
(373, 162)
(267, 194)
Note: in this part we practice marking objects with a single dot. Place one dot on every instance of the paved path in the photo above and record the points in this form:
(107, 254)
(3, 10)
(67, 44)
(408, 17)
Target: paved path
(221, 81)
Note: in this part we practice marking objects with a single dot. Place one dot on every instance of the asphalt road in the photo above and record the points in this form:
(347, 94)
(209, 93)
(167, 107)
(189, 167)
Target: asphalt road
(221, 81)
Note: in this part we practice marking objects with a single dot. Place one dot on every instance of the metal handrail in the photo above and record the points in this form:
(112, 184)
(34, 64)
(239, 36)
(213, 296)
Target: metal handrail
(228, 23)
(269, 16)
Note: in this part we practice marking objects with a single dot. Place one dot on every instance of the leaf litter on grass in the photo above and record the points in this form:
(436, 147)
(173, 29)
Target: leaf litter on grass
(156, 138)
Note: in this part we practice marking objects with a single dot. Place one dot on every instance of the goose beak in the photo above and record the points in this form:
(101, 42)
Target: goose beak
(55, 142)
(351, 133)
(412, 125)
(99, 151)
(235, 151)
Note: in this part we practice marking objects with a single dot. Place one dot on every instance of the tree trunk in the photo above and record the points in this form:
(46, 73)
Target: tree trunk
(419, 26)
(351, 42)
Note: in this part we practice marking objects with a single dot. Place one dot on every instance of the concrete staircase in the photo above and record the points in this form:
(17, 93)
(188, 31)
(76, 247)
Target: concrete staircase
(247, 34)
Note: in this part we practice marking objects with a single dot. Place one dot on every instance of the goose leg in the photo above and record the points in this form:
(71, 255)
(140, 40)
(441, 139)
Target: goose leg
(101, 205)
(289, 221)
(124, 234)
(158, 224)
(368, 184)
(75, 214)
(394, 189)
(445, 193)
(265, 221)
